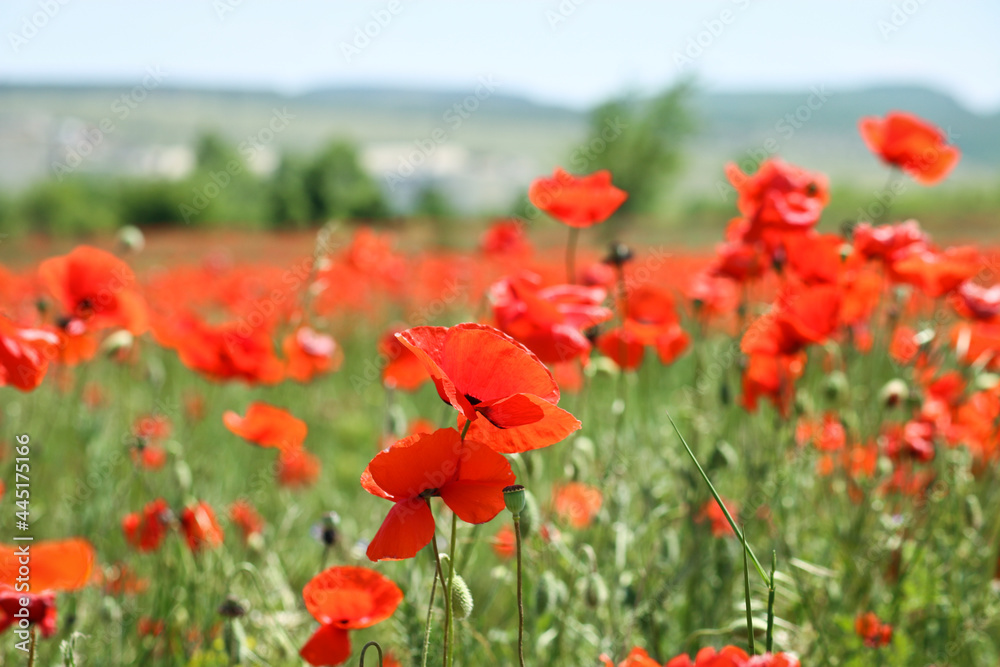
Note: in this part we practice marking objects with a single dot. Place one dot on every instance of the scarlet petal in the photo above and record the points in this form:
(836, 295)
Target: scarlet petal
(553, 427)
(516, 410)
(267, 426)
(329, 645)
(477, 495)
(61, 565)
(352, 597)
(407, 529)
(417, 463)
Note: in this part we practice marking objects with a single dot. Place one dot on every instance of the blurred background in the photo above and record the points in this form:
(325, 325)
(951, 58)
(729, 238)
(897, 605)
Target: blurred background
(267, 115)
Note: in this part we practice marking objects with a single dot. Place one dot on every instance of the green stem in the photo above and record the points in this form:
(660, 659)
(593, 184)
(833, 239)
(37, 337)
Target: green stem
(430, 609)
(520, 601)
(718, 499)
(32, 637)
(746, 593)
(770, 604)
(451, 578)
(365, 649)
(447, 595)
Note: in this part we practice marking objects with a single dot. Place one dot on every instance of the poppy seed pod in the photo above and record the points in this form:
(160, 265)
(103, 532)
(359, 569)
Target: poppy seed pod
(894, 392)
(327, 530)
(232, 608)
(618, 255)
(513, 498)
(461, 598)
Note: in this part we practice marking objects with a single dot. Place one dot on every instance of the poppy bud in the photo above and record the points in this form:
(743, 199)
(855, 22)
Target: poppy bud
(513, 498)
(973, 512)
(232, 608)
(119, 341)
(595, 591)
(327, 529)
(894, 392)
(836, 386)
(618, 255)
(461, 598)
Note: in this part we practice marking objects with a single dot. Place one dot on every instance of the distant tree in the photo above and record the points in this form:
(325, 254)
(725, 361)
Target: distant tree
(640, 142)
(338, 187)
(150, 202)
(76, 205)
(221, 189)
(289, 200)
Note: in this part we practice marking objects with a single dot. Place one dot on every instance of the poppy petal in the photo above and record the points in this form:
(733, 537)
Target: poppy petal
(60, 565)
(477, 495)
(553, 427)
(407, 528)
(329, 645)
(416, 464)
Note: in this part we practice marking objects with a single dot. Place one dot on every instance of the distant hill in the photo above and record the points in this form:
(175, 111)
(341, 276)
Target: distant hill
(502, 143)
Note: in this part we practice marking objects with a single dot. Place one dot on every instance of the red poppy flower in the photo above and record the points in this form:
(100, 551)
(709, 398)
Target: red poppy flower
(245, 516)
(577, 504)
(937, 273)
(505, 542)
(310, 353)
(152, 428)
(712, 513)
(577, 201)
(24, 355)
(738, 261)
(342, 599)
(732, 656)
(58, 565)
(651, 320)
(505, 238)
(267, 426)
(404, 369)
(889, 242)
(778, 197)
(873, 631)
(483, 372)
(151, 457)
(234, 350)
(145, 532)
(910, 143)
(977, 302)
(297, 468)
(201, 530)
(548, 321)
(468, 476)
(97, 288)
(636, 658)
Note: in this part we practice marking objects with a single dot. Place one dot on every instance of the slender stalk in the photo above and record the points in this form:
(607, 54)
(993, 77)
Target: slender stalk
(520, 601)
(430, 609)
(32, 637)
(770, 604)
(574, 233)
(367, 646)
(448, 592)
(746, 593)
(447, 597)
(718, 499)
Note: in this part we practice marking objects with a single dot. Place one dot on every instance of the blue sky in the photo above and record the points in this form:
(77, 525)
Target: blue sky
(572, 52)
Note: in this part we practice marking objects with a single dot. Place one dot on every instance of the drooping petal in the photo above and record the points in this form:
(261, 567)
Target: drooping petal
(476, 496)
(329, 645)
(267, 426)
(553, 427)
(417, 463)
(351, 597)
(407, 528)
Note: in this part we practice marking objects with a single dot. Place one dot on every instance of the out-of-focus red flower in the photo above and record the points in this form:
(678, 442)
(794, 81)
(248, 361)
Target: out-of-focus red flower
(732, 656)
(577, 201)
(738, 261)
(267, 426)
(201, 530)
(637, 657)
(712, 295)
(246, 518)
(404, 369)
(151, 457)
(889, 242)
(56, 565)
(233, 350)
(120, 580)
(914, 440)
(297, 468)
(712, 513)
(504, 542)
(873, 631)
(467, 475)
(577, 504)
(483, 372)
(342, 599)
(651, 320)
(976, 302)
(937, 273)
(309, 353)
(146, 531)
(778, 197)
(548, 321)
(24, 355)
(152, 428)
(911, 144)
(505, 238)
(97, 288)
